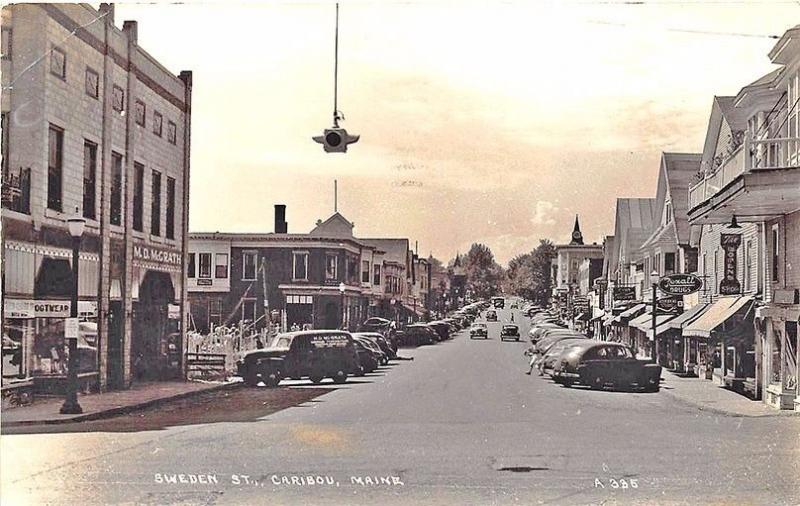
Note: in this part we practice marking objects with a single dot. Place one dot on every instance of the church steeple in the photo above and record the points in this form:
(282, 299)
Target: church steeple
(577, 236)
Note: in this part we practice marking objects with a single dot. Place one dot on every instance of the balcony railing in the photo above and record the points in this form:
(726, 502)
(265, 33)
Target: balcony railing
(752, 155)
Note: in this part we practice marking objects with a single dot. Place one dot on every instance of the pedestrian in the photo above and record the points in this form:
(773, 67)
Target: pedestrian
(531, 352)
(512, 317)
(259, 343)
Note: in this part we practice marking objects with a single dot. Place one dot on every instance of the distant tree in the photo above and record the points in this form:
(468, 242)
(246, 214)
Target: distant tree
(528, 275)
(484, 274)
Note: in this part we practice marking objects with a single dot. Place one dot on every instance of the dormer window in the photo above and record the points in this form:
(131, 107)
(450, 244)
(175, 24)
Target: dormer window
(667, 218)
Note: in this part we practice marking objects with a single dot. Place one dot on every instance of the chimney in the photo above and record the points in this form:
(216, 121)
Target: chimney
(108, 10)
(280, 219)
(131, 28)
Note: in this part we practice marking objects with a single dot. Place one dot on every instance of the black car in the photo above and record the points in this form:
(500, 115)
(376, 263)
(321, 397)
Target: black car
(599, 364)
(491, 315)
(383, 343)
(441, 328)
(509, 332)
(419, 334)
(314, 354)
(367, 359)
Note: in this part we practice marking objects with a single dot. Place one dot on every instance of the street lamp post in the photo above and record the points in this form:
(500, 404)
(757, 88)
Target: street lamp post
(654, 277)
(342, 288)
(71, 406)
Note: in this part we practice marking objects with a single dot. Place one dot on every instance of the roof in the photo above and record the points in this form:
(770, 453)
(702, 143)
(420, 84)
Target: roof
(396, 250)
(676, 173)
(335, 226)
(633, 224)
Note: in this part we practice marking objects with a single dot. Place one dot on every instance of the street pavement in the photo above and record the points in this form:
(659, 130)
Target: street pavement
(460, 424)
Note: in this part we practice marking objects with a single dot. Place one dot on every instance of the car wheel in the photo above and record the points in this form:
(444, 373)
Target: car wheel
(517, 339)
(271, 378)
(567, 382)
(597, 383)
(361, 370)
(316, 378)
(251, 379)
(340, 377)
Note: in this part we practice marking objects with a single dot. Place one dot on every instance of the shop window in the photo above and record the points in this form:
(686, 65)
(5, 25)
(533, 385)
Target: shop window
(331, 266)
(89, 179)
(376, 275)
(172, 132)
(790, 356)
(155, 204)
(204, 259)
(158, 122)
(170, 208)
(221, 265)
(55, 158)
(776, 355)
(118, 98)
(249, 310)
(669, 263)
(138, 197)
(214, 312)
(365, 271)
(92, 83)
(191, 267)
(14, 337)
(300, 265)
(116, 189)
(141, 113)
(249, 260)
(58, 62)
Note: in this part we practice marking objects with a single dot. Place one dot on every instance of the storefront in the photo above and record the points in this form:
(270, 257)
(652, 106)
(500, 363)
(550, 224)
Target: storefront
(687, 355)
(777, 329)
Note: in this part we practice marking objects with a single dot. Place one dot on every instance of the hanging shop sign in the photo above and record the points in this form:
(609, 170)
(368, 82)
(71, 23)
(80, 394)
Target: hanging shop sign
(581, 304)
(680, 284)
(173, 311)
(730, 284)
(670, 304)
(624, 293)
(166, 257)
(16, 308)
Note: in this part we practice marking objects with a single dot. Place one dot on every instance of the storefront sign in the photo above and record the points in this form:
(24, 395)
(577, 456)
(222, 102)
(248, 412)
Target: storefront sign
(15, 308)
(581, 304)
(680, 284)
(730, 284)
(670, 304)
(71, 328)
(157, 255)
(624, 293)
(173, 312)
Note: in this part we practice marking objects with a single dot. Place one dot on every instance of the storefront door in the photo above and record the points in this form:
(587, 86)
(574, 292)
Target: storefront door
(151, 328)
(116, 333)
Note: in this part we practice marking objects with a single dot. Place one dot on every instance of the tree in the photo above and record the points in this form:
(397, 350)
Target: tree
(528, 274)
(484, 274)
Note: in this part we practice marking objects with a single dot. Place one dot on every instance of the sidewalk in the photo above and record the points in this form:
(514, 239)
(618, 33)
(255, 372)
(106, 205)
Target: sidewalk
(707, 396)
(108, 404)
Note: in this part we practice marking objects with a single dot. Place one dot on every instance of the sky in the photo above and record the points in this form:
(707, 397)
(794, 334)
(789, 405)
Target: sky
(492, 122)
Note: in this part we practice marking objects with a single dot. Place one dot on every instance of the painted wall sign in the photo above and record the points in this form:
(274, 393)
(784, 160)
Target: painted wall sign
(730, 284)
(157, 255)
(680, 284)
(204, 282)
(16, 308)
(624, 293)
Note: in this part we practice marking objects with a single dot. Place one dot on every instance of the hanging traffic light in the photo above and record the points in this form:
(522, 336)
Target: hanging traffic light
(335, 140)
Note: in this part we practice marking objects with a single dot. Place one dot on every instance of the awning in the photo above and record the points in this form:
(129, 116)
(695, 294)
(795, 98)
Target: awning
(688, 317)
(598, 317)
(718, 312)
(420, 310)
(645, 321)
(582, 317)
(632, 312)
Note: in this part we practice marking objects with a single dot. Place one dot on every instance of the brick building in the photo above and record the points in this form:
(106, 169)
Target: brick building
(93, 125)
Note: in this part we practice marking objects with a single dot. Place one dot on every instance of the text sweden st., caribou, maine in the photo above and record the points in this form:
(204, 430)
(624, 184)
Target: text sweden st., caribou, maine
(276, 480)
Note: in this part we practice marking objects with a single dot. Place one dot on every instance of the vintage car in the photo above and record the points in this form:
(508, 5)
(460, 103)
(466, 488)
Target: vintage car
(491, 315)
(418, 334)
(375, 324)
(538, 331)
(314, 354)
(547, 362)
(509, 332)
(478, 330)
(442, 328)
(598, 364)
(368, 358)
(498, 302)
(383, 343)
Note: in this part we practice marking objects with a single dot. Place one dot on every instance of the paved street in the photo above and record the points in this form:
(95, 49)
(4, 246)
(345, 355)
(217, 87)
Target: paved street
(460, 424)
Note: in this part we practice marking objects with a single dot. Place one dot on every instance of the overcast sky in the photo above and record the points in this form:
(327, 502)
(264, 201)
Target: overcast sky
(509, 118)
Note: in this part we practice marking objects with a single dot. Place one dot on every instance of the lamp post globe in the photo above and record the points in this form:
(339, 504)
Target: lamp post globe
(654, 277)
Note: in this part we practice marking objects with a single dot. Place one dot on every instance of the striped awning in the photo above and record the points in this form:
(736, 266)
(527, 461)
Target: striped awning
(718, 313)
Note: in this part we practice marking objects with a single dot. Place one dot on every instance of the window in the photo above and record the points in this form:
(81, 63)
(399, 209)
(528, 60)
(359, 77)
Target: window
(116, 189)
(118, 98)
(54, 168)
(158, 121)
(170, 208)
(6, 46)
(775, 254)
(16, 185)
(656, 263)
(331, 266)
(221, 265)
(365, 271)
(214, 312)
(716, 270)
(172, 132)
(58, 62)
(249, 260)
(669, 263)
(92, 84)
(155, 204)
(249, 310)
(667, 213)
(376, 274)
(300, 265)
(205, 265)
(191, 268)
(138, 197)
(141, 113)
(89, 179)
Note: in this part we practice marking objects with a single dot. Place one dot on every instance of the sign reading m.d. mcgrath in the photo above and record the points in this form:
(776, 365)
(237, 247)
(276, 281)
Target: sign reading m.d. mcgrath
(680, 284)
(157, 255)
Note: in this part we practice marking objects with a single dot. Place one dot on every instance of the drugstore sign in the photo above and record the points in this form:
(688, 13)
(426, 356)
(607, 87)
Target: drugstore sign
(26, 308)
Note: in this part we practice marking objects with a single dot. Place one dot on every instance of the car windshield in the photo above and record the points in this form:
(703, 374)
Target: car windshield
(282, 342)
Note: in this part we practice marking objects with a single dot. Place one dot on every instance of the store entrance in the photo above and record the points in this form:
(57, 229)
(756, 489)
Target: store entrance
(116, 332)
(151, 328)
(331, 316)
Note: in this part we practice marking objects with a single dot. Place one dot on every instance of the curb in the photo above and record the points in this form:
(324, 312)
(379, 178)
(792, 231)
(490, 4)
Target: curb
(121, 410)
(725, 412)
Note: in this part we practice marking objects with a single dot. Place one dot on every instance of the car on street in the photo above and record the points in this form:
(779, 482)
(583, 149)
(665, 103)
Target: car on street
(418, 334)
(539, 331)
(478, 330)
(491, 315)
(383, 343)
(376, 324)
(315, 354)
(498, 302)
(442, 328)
(547, 362)
(368, 358)
(509, 332)
(600, 364)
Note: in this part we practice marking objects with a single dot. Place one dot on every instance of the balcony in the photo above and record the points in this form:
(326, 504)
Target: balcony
(754, 182)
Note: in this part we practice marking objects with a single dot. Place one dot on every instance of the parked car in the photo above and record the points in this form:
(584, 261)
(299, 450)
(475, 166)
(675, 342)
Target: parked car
(419, 334)
(509, 332)
(478, 330)
(599, 364)
(539, 331)
(491, 315)
(315, 354)
(383, 343)
(498, 302)
(376, 324)
(442, 328)
(368, 358)
(547, 362)
(546, 342)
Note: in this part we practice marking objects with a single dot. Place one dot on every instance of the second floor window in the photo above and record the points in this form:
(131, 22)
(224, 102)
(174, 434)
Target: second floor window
(158, 121)
(172, 132)
(205, 265)
(155, 205)
(376, 275)
(92, 83)
(300, 265)
(170, 208)
(89, 178)
(669, 263)
(331, 266)
(249, 259)
(365, 271)
(191, 267)
(141, 113)
(138, 197)
(58, 62)
(116, 189)
(221, 265)
(55, 154)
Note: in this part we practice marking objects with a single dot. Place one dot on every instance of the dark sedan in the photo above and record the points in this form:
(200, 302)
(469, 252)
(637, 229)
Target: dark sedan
(509, 332)
(599, 364)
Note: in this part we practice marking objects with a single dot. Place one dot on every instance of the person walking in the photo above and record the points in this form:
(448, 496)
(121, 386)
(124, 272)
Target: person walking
(531, 352)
